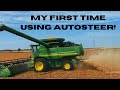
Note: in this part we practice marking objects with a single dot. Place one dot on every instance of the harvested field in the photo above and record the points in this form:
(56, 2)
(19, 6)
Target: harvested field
(100, 64)
(5, 55)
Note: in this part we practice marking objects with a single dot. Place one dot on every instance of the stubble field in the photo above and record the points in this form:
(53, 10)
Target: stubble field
(99, 64)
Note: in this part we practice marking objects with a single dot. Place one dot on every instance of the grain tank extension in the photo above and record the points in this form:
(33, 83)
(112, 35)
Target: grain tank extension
(51, 52)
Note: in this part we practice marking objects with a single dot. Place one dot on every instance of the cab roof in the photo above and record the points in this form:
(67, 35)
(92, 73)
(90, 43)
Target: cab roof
(49, 40)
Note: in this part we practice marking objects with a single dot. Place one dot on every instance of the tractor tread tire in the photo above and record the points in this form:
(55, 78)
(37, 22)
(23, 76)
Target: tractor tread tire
(70, 63)
(45, 64)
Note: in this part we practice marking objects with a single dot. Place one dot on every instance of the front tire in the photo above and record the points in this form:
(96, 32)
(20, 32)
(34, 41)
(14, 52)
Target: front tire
(41, 65)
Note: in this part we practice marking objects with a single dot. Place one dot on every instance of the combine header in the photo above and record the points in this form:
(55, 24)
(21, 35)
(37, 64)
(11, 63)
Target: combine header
(13, 67)
(46, 54)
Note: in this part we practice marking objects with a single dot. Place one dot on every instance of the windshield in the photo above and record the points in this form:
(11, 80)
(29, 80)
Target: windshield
(35, 49)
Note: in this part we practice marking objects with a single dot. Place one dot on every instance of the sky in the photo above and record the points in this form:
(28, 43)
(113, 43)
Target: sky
(89, 38)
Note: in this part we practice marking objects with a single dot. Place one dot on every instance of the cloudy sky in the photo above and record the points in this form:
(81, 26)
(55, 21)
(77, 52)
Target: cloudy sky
(89, 38)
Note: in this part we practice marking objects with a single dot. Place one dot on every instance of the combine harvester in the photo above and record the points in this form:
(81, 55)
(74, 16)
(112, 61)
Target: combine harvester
(46, 54)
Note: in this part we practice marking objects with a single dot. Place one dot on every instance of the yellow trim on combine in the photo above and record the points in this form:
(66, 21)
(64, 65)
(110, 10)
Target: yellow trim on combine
(51, 38)
(64, 54)
(67, 52)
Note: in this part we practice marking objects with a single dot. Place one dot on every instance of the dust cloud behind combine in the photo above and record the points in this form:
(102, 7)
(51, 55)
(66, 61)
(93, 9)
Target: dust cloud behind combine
(106, 60)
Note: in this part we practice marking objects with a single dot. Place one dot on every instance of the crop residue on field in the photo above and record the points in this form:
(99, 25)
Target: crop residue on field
(4, 56)
(107, 60)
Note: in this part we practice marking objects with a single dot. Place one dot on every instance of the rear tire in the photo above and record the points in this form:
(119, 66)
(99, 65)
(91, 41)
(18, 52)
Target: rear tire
(67, 66)
(41, 65)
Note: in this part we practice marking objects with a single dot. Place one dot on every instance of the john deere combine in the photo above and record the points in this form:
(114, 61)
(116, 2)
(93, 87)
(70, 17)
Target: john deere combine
(46, 54)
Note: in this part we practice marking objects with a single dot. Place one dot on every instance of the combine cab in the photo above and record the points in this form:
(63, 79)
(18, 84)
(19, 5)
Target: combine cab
(51, 52)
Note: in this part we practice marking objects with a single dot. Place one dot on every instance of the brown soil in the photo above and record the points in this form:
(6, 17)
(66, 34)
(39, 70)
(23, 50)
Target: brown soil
(4, 56)
(90, 69)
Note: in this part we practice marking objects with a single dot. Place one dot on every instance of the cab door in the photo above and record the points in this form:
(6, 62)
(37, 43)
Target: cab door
(35, 49)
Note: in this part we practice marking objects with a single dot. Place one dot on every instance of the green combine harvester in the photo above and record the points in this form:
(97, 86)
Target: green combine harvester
(46, 54)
